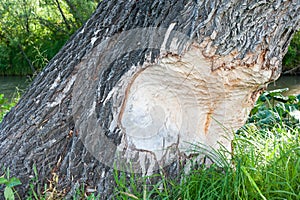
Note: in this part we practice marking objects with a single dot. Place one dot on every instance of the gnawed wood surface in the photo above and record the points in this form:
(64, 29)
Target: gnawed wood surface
(141, 79)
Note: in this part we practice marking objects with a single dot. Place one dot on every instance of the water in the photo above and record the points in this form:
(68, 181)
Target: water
(291, 82)
(8, 84)
(11, 85)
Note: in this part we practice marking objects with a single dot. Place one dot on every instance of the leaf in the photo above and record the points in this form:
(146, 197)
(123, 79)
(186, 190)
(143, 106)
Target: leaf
(253, 182)
(35, 171)
(278, 91)
(9, 193)
(129, 195)
(292, 99)
(7, 173)
(281, 98)
(262, 98)
(3, 180)
(277, 95)
(13, 182)
(296, 114)
(2, 99)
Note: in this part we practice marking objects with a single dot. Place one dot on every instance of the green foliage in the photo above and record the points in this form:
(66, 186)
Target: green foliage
(81, 193)
(5, 105)
(272, 158)
(34, 192)
(33, 31)
(9, 183)
(292, 57)
(260, 169)
(273, 108)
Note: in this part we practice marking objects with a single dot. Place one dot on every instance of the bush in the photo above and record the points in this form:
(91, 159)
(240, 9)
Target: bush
(5, 105)
(292, 58)
(33, 31)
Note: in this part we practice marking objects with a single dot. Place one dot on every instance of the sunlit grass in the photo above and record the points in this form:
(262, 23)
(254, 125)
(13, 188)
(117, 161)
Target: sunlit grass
(261, 168)
(264, 164)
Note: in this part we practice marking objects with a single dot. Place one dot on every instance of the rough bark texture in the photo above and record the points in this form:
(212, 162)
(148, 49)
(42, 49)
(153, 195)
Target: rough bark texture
(78, 117)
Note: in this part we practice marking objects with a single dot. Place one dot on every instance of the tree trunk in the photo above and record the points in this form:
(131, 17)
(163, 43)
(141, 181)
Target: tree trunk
(140, 82)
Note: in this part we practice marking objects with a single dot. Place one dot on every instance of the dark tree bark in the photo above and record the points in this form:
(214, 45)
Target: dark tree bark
(139, 82)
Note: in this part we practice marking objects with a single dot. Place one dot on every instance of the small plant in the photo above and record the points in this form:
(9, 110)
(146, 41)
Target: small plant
(84, 193)
(273, 108)
(48, 192)
(5, 105)
(9, 184)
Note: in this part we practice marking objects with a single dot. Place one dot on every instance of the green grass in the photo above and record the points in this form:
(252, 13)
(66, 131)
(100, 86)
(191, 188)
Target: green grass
(9, 183)
(261, 168)
(264, 164)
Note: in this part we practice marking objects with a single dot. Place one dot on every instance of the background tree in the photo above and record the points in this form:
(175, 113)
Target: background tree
(139, 82)
(33, 31)
(291, 61)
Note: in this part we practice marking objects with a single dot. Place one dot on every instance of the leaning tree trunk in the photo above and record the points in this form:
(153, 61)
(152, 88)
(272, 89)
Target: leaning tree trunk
(140, 82)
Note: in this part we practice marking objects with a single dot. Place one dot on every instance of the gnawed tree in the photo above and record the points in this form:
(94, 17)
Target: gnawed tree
(139, 82)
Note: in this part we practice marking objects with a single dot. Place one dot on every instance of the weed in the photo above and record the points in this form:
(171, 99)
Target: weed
(9, 183)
